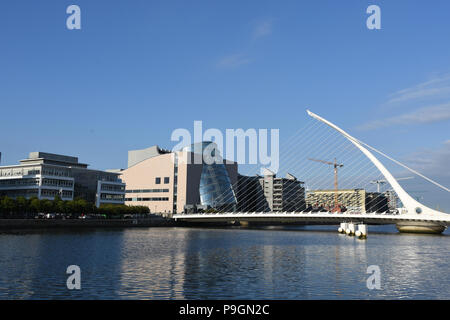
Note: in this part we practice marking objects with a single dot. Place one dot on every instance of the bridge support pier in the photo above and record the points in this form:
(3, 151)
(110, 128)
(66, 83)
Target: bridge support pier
(350, 229)
(343, 227)
(420, 227)
(362, 231)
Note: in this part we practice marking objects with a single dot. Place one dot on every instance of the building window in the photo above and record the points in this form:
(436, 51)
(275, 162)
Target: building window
(166, 180)
(146, 190)
(147, 199)
(112, 197)
(158, 180)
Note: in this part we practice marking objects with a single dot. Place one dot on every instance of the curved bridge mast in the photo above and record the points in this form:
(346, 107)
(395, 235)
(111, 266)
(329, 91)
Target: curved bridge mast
(411, 206)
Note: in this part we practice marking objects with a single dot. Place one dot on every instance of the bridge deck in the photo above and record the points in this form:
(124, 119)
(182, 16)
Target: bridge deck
(320, 217)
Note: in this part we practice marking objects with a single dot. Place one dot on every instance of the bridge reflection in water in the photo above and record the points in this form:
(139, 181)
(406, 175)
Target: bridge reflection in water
(434, 224)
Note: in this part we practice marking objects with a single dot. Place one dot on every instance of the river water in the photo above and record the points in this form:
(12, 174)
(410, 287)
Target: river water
(313, 262)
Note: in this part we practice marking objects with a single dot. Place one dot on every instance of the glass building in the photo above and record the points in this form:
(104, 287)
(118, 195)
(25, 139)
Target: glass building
(215, 186)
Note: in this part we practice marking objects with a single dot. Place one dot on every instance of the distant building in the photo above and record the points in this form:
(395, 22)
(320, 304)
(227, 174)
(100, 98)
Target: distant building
(283, 194)
(376, 202)
(392, 199)
(250, 194)
(354, 200)
(173, 182)
(46, 175)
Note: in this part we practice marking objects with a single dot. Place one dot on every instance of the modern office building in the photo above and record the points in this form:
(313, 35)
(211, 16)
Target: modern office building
(170, 182)
(250, 194)
(354, 200)
(376, 202)
(46, 175)
(283, 194)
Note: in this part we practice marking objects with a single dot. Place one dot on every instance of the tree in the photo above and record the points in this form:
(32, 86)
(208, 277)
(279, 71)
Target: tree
(80, 206)
(60, 206)
(8, 205)
(35, 205)
(21, 206)
(46, 206)
(70, 208)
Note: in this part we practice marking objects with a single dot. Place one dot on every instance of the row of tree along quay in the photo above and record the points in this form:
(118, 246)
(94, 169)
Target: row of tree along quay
(34, 208)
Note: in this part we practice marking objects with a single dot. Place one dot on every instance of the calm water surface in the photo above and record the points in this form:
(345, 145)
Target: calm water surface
(193, 263)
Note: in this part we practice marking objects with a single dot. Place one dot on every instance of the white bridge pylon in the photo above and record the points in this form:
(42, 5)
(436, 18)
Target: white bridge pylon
(411, 206)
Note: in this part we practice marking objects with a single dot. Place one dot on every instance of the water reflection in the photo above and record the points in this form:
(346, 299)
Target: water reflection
(190, 263)
(34, 265)
(153, 266)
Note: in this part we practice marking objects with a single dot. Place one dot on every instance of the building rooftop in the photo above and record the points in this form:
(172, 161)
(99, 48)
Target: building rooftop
(52, 158)
(136, 156)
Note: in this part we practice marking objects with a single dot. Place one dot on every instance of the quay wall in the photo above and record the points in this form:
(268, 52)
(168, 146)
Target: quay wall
(83, 223)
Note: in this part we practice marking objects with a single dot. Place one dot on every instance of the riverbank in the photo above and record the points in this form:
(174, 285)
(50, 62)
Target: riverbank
(156, 221)
(84, 223)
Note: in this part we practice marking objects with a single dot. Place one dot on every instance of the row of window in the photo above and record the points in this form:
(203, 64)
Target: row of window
(109, 177)
(19, 193)
(53, 193)
(146, 190)
(175, 182)
(19, 172)
(55, 172)
(158, 180)
(147, 199)
(112, 187)
(108, 196)
(30, 171)
(57, 183)
(19, 182)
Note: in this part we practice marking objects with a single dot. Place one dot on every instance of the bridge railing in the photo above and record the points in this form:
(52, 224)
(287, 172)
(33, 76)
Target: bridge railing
(291, 213)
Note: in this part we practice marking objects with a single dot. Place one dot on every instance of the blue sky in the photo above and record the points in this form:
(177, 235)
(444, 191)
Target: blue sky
(137, 70)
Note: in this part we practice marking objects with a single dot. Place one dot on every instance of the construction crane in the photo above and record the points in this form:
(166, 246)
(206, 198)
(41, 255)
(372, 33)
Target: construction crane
(382, 181)
(336, 166)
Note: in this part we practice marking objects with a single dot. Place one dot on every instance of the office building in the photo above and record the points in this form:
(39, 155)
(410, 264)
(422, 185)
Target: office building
(353, 200)
(283, 194)
(376, 202)
(250, 194)
(46, 175)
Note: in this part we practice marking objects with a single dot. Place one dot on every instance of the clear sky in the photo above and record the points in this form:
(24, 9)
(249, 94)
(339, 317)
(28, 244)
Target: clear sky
(137, 70)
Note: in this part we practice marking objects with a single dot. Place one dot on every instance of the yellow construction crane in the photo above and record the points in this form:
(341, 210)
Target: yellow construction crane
(336, 166)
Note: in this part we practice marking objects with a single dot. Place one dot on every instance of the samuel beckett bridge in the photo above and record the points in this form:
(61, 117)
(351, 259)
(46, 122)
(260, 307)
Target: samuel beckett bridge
(413, 216)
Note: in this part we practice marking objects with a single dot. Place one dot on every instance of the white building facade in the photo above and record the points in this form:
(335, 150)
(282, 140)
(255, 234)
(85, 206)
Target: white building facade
(46, 175)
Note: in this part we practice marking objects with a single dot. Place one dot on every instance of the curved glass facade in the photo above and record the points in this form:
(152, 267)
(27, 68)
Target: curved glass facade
(215, 187)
